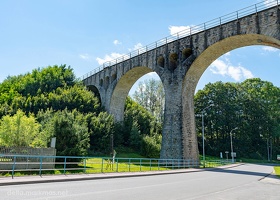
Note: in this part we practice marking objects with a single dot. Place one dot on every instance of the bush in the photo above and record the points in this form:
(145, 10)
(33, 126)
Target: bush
(151, 146)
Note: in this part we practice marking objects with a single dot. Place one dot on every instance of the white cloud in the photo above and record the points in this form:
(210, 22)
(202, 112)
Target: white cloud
(109, 58)
(175, 29)
(113, 56)
(136, 47)
(116, 42)
(270, 49)
(223, 67)
(84, 56)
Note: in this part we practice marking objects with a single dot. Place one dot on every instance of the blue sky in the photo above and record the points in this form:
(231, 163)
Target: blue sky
(85, 33)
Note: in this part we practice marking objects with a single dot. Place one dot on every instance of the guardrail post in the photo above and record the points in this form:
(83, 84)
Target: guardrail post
(64, 168)
(41, 163)
(140, 165)
(129, 164)
(150, 164)
(117, 162)
(102, 165)
(14, 166)
(85, 164)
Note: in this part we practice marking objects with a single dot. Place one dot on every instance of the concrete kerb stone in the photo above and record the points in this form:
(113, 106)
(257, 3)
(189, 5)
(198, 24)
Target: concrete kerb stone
(5, 181)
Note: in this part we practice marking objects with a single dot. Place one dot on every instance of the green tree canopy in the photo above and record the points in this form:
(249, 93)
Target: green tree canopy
(21, 131)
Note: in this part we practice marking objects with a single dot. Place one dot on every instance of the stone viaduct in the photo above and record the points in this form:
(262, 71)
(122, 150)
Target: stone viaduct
(180, 61)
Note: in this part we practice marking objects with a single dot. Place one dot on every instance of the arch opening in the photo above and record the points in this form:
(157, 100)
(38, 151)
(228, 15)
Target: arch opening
(204, 61)
(95, 90)
(123, 88)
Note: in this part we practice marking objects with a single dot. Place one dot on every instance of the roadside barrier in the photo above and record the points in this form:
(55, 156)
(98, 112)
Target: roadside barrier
(14, 165)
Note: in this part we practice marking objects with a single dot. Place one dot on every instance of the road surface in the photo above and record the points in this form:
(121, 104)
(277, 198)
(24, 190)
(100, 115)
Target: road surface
(242, 182)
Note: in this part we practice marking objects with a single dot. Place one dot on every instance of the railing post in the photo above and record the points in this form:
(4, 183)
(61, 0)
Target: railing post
(14, 166)
(41, 162)
(150, 164)
(256, 8)
(64, 168)
(102, 164)
(140, 165)
(237, 15)
(129, 164)
(85, 164)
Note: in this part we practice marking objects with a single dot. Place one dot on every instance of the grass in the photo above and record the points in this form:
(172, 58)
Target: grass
(127, 161)
(277, 171)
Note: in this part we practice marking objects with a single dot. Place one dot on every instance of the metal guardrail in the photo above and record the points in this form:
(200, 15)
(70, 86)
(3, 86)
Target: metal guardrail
(29, 164)
(190, 31)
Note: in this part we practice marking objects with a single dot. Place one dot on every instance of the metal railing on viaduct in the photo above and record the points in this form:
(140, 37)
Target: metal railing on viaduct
(253, 9)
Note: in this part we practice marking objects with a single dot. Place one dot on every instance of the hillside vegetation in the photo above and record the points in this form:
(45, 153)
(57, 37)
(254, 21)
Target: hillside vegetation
(50, 102)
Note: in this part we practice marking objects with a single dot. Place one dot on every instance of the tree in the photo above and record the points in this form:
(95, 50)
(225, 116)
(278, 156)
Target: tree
(252, 106)
(70, 130)
(100, 129)
(150, 95)
(220, 118)
(20, 130)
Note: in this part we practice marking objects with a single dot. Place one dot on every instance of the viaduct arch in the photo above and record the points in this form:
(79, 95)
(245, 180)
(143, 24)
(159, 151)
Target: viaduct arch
(180, 63)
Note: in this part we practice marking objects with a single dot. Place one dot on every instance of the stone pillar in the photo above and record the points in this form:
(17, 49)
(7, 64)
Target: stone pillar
(171, 147)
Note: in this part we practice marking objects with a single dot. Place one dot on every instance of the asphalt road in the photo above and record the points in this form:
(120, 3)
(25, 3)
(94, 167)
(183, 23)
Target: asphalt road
(242, 182)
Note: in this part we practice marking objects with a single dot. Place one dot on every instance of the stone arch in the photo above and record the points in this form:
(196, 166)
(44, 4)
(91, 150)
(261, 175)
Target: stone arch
(122, 89)
(96, 92)
(196, 70)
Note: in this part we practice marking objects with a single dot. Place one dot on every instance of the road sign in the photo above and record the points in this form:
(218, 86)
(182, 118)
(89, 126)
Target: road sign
(278, 157)
(233, 154)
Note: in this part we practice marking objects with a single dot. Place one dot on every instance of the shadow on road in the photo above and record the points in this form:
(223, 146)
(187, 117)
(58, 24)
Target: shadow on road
(243, 172)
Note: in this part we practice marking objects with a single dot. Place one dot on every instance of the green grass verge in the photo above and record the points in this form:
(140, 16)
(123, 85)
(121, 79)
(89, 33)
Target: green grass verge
(277, 171)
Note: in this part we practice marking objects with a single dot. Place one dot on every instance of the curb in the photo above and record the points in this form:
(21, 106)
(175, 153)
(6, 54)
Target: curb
(81, 177)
